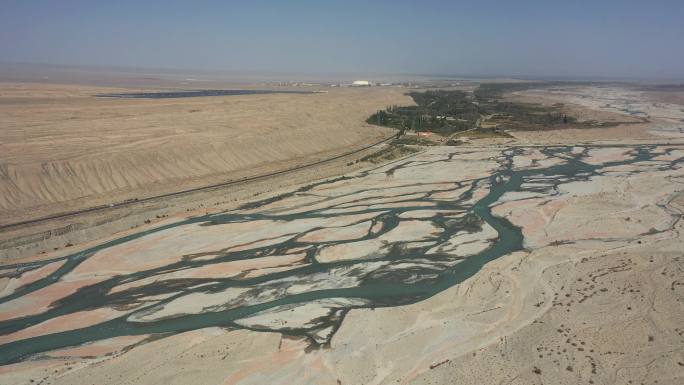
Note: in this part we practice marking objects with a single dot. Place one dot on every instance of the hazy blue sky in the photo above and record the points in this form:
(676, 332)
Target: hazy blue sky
(514, 37)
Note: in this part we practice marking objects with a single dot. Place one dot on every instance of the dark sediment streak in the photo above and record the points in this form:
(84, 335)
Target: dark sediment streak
(196, 93)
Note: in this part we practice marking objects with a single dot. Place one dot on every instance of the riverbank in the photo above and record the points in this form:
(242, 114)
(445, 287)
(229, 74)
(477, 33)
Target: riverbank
(206, 141)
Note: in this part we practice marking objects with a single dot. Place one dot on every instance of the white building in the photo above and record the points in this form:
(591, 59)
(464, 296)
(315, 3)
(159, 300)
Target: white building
(361, 83)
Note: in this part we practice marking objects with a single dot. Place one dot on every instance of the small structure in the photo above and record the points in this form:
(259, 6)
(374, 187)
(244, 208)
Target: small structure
(361, 83)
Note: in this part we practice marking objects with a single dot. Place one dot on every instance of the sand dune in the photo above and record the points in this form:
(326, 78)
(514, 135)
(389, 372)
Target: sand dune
(61, 148)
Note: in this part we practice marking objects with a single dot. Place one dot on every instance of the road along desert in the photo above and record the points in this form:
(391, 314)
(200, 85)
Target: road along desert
(492, 262)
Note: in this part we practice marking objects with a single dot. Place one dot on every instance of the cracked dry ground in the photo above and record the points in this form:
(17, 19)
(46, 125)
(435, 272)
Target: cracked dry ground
(470, 265)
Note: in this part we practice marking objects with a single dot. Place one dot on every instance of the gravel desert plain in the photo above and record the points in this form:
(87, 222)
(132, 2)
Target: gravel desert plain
(307, 247)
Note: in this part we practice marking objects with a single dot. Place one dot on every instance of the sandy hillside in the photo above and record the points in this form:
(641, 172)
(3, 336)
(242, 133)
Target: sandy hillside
(61, 148)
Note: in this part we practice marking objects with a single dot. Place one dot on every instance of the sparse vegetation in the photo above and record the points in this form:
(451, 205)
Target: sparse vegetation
(414, 140)
(481, 133)
(394, 151)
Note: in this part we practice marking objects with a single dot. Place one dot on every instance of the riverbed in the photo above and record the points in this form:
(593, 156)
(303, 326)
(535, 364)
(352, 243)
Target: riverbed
(298, 263)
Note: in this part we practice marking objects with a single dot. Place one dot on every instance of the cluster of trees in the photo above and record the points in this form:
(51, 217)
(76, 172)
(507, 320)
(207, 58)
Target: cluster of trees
(443, 112)
(446, 112)
(526, 116)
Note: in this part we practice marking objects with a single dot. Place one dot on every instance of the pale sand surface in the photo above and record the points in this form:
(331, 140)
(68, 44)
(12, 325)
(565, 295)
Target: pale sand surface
(631, 105)
(596, 295)
(61, 148)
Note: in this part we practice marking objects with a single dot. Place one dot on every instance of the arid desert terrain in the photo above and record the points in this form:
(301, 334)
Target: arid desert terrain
(62, 149)
(546, 257)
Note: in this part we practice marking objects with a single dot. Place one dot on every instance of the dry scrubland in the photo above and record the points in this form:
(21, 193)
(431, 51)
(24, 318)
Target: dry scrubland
(63, 149)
